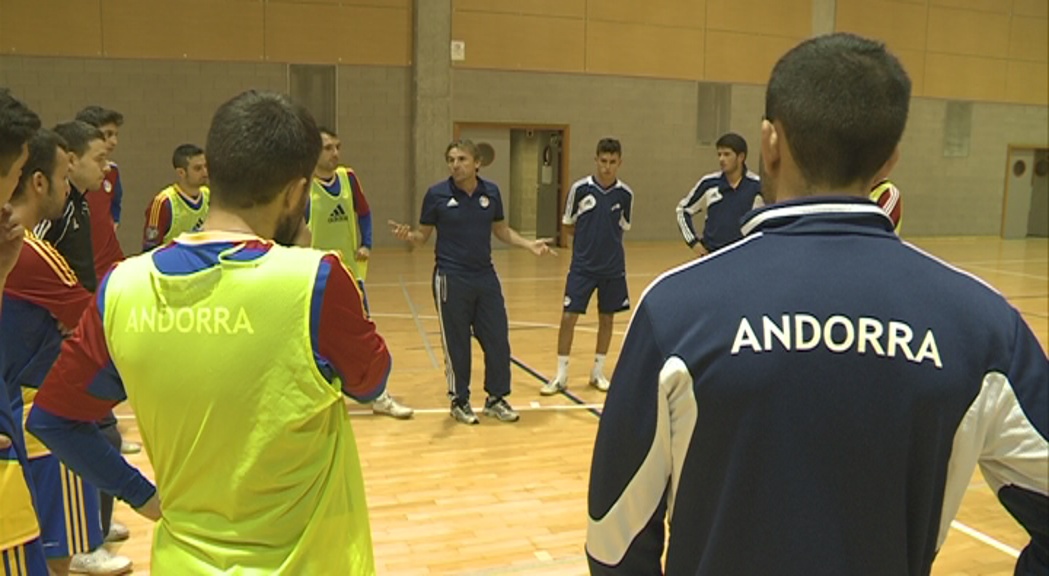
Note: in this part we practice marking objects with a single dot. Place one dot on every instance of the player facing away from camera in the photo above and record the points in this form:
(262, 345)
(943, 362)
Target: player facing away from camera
(277, 335)
(802, 418)
(597, 213)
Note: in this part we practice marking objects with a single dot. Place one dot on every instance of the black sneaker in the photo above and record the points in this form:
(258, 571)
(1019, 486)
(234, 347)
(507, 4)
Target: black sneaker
(462, 412)
(500, 409)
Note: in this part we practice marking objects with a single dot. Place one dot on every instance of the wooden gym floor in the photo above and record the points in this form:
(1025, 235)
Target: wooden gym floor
(511, 498)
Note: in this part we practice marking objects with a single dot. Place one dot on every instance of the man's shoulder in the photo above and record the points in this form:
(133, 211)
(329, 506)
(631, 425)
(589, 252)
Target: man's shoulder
(40, 259)
(710, 180)
(441, 188)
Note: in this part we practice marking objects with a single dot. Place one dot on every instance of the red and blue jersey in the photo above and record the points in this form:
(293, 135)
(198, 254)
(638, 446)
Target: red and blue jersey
(84, 384)
(104, 206)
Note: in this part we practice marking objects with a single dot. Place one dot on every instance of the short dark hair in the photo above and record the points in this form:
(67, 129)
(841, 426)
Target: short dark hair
(609, 146)
(325, 131)
(98, 116)
(43, 157)
(258, 143)
(78, 135)
(17, 125)
(733, 142)
(842, 101)
(180, 158)
(466, 145)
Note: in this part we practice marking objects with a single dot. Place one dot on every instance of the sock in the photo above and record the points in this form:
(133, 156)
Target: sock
(599, 365)
(562, 368)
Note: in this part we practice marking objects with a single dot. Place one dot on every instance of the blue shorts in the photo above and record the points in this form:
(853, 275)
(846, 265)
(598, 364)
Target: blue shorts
(70, 520)
(612, 293)
(23, 560)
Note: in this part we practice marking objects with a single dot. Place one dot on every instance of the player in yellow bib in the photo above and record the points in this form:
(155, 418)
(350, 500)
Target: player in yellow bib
(340, 220)
(255, 460)
(182, 206)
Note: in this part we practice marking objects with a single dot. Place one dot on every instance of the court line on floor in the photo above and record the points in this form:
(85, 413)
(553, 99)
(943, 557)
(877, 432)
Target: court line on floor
(1006, 272)
(419, 324)
(525, 567)
(652, 275)
(977, 535)
(519, 323)
(531, 407)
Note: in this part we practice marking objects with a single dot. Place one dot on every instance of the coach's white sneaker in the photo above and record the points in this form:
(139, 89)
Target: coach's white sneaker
(100, 563)
(599, 381)
(554, 386)
(385, 404)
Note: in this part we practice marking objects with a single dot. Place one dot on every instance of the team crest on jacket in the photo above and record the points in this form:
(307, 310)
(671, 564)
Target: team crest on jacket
(484, 201)
(107, 186)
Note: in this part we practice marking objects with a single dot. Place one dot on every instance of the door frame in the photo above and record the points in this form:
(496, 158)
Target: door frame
(563, 185)
(1008, 173)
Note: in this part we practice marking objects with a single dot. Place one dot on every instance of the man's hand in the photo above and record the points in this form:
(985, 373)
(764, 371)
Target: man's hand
(363, 253)
(541, 246)
(11, 235)
(5, 442)
(401, 231)
(700, 250)
(151, 509)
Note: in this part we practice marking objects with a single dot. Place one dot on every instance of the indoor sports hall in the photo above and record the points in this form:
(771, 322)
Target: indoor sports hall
(536, 84)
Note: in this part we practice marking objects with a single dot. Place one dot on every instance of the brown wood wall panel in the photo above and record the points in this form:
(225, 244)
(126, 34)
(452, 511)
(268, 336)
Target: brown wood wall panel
(964, 77)
(914, 63)
(744, 58)
(1037, 8)
(191, 29)
(612, 48)
(557, 8)
(520, 42)
(406, 4)
(360, 34)
(996, 6)
(970, 33)
(791, 18)
(51, 27)
(1029, 39)
(670, 13)
(1027, 82)
(900, 25)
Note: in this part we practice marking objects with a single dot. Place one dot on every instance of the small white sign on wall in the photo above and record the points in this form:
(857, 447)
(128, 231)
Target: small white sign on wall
(458, 50)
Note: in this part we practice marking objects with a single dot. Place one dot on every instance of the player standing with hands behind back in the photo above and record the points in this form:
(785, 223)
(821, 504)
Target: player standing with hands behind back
(467, 210)
(597, 213)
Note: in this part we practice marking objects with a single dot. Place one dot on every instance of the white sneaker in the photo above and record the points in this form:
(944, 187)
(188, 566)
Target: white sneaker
(553, 386)
(117, 532)
(599, 381)
(385, 404)
(100, 563)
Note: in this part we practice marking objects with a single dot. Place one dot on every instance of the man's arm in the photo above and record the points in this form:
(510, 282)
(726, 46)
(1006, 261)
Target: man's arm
(115, 204)
(508, 235)
(158, 223)
(81, 388)
(1006, 432)
(11, 236)
(363, 211)
(346, 343)
(642, 439)
(695, 201)
(404, 232)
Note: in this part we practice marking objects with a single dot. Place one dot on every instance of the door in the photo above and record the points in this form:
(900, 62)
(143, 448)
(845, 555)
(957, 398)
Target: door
(1038, 218)
(1016, 212)
(547, 213)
